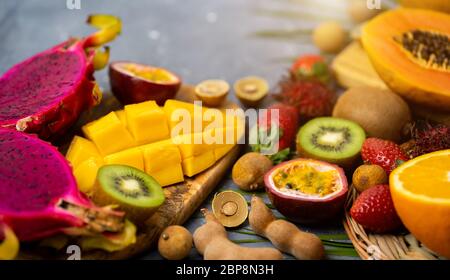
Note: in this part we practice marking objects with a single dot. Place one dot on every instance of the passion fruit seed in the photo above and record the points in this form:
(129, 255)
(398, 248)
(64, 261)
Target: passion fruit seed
(429, 49)
(306, 180)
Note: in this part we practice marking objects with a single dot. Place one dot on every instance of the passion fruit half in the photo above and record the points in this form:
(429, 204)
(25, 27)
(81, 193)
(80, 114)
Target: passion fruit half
(135, 83)
(307, 190)
(251, 90)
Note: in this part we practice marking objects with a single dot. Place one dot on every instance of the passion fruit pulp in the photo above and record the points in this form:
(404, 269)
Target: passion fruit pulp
(135, 83)
(306, 190)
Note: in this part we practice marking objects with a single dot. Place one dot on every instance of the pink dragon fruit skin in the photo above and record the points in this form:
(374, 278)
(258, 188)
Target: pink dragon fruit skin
(38, 193)
(46, 93)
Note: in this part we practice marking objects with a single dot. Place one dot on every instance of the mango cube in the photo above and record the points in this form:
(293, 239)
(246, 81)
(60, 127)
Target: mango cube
(109, 134)
(160, 155)
(221, 151)
(190, 117)
(131, 157)
(168, 175)
(146, 122)
(86, 173)
(122, 117)
(197, 164)
(81, 149)
(192, 144)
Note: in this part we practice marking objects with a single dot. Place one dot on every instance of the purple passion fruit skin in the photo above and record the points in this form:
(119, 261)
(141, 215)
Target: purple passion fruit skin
(135, 83)
(306, 190)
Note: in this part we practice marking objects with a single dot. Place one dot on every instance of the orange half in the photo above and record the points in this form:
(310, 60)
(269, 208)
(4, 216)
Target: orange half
(420, 190)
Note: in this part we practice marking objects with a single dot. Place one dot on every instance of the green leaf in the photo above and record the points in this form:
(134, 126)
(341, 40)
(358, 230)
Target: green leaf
(281, 156)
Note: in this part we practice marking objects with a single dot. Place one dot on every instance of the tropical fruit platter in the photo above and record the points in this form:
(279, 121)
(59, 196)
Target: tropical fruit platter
(354, 134)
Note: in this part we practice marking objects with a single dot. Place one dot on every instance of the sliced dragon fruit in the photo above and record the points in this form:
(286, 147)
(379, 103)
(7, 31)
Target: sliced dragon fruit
(46, 93)
(38, 193)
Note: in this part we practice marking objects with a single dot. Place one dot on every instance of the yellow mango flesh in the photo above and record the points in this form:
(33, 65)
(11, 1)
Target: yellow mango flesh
(168, 175)
(159, 155)
(139, 136)
(197, 164)
(221, 151)
(192, 118)
(146, 122)
(81, 149)
(192, 144)
(122, 117)
(131, 157)
(109, 134)
(86, 173)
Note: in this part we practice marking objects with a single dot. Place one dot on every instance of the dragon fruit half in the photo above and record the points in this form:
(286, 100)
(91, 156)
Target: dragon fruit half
(46, 93)
(38, 193)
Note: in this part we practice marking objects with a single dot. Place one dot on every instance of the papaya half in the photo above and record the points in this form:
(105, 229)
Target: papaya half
(438, 5)
(410, 49)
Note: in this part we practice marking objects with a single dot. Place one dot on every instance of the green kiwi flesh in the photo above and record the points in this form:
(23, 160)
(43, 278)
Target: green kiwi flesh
(133, 191)
(330, 139)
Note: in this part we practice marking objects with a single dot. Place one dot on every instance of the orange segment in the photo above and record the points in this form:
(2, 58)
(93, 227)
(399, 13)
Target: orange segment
(420, 190)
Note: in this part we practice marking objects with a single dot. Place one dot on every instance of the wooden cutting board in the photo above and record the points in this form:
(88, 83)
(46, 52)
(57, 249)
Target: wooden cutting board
(181, 202)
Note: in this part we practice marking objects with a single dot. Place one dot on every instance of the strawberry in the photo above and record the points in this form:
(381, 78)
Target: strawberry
(310, 67)
(384, 153)
(282, 131)
(374, 210)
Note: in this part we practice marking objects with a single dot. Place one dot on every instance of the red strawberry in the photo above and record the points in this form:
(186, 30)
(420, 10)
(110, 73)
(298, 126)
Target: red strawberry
(374, 210)
(384, 153)
(285, 128)
(310, 67)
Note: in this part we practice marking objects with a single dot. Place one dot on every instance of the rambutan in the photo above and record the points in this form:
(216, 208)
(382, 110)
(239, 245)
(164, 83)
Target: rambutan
(311, 98)
(428, 138)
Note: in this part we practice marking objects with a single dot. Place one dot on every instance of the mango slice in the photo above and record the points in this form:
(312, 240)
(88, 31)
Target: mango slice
(169, 175)
(86, 173)
(180, 114)
(221, 151)
(160, 155)
(122, 117)
(146, 122)
(197, 164)
(109, 134)
(131, 157)
(81, 149)
(192, 144)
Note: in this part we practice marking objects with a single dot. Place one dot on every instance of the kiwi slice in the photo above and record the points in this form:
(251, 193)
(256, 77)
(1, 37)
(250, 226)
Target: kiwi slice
(330, 139)
(133, 191)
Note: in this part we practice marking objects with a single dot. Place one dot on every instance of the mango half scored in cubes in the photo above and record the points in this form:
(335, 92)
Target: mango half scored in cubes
(140, 136)
(163, 162)
(146, 122)
(109, 134)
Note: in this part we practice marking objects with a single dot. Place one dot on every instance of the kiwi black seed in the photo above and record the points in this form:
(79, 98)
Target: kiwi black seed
(331, 139)
(133, 191)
